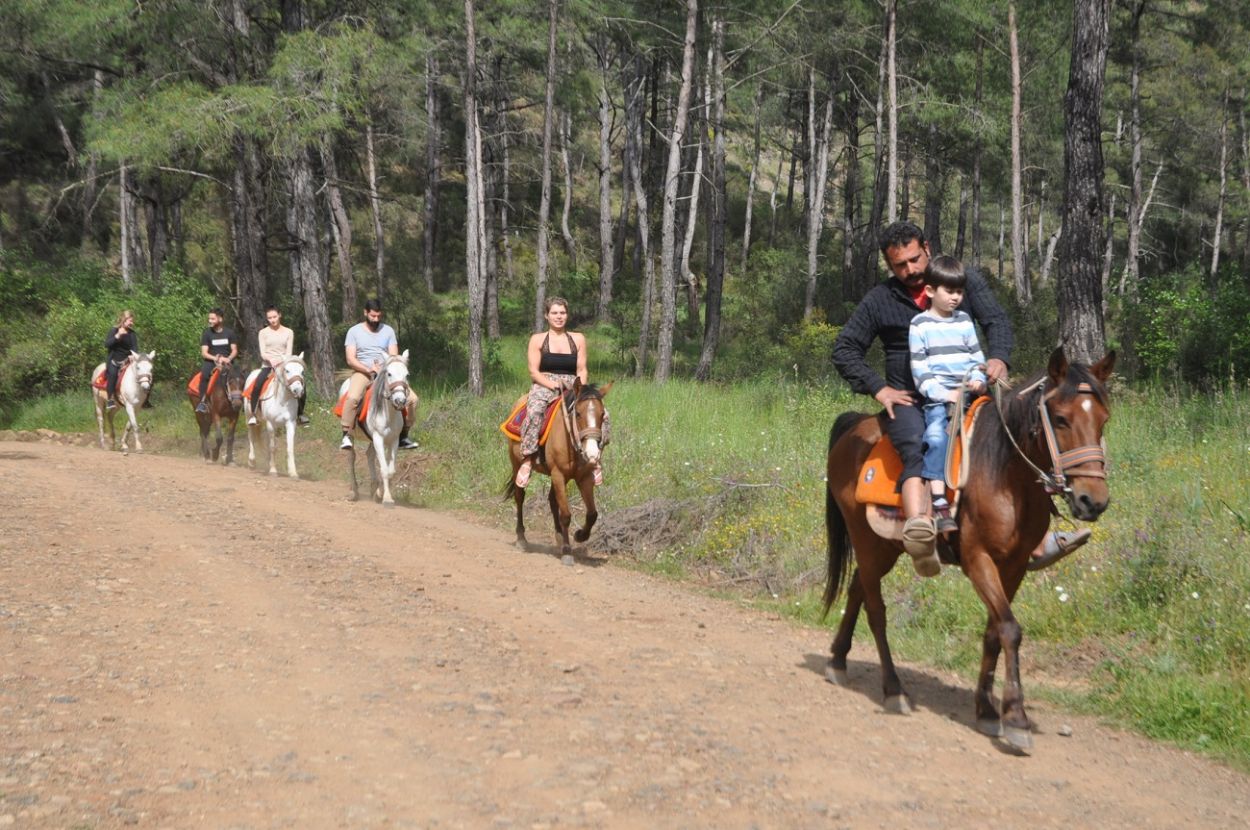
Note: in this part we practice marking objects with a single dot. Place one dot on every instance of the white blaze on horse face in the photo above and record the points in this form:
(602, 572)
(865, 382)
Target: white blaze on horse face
(1087, 405)
(592, 450)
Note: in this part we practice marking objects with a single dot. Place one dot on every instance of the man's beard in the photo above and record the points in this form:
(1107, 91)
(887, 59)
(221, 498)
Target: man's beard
(372, 325)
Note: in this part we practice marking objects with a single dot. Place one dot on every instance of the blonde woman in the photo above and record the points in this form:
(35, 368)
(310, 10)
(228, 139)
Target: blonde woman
(120, 342)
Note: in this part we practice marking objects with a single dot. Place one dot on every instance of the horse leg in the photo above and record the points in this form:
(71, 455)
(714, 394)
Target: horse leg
(836, 672)
(586, 484)
(99, 417)
(221, 437)
(290, 449)
(989, 722)
(383, 468)
(870, 582)
(132, 425)
(351, 469)
(253, 433)
(1003, 626)
(559, 498)
(518, 496)
(234, 427)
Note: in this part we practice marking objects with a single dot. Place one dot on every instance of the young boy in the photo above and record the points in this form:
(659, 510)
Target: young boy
(944, 348)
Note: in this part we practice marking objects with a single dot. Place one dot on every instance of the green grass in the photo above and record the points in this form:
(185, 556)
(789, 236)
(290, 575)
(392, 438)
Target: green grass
(1148, 626)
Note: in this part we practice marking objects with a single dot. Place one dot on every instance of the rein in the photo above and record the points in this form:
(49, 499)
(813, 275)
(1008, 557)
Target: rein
(281, 373)
(568, 408)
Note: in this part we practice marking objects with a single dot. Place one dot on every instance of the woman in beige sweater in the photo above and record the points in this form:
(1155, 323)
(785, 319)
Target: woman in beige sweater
(275, 341)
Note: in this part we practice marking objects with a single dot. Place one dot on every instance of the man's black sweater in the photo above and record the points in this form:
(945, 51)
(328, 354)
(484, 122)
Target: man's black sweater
(886, 312)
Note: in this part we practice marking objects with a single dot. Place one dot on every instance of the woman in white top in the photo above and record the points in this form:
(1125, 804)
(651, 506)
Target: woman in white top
(275, 341)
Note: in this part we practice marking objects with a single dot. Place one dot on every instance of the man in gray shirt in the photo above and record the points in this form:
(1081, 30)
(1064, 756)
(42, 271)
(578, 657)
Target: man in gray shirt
(366, 347)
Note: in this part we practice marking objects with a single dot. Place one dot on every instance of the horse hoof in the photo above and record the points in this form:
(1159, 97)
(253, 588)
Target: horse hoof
(837, 677)
(581, 535)
(1018, 738)
(353, 497)
(567, 559)
(388, 504)
(273, 473)
(897, 705)
(992, 728)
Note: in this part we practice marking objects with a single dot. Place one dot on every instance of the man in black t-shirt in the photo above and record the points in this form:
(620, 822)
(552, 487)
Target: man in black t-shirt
(218, 347)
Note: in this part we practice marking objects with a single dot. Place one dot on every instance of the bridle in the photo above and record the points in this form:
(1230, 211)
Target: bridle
(1064, 465)
(394, 385)
(281, 373)
(568, 407)
(140, 377)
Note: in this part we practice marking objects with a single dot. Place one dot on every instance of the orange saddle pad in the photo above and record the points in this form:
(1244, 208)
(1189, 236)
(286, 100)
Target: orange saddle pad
(264, 387)
(364, 406)
(878, 478)
(102, 382)
(193, 385)
(512, 426)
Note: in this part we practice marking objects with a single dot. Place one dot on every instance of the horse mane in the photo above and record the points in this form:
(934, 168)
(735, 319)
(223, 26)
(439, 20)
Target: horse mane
(590, 391)
(377, 390)
(992, 450)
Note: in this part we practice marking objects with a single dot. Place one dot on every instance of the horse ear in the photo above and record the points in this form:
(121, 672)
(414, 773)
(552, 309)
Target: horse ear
(604, 390)
(1102, 369)
(404, 356)
(1058, 367)
(300, 355)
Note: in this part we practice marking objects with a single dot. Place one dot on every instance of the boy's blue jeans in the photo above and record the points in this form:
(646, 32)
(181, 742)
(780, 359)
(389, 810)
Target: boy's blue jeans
(935, 420)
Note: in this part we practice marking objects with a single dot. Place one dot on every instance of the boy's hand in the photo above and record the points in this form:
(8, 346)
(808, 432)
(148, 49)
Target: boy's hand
(976, 387)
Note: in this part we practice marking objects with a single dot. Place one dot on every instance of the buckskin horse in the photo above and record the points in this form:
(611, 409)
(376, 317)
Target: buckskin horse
(381, 416)
(132, 390)
(570, 454)
(1047, 439)
(225, 400)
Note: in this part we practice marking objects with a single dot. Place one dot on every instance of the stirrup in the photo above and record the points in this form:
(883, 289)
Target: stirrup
(523, 474)
(920, 542)
(1057, 545)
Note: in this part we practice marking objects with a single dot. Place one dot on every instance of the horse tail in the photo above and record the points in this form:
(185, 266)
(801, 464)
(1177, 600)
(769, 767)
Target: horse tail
(838, 539)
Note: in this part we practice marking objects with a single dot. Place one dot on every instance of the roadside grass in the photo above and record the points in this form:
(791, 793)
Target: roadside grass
(1148, 626)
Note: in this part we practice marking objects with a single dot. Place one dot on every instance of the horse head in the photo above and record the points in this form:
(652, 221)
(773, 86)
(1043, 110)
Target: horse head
(1074, 411)
(291, 373)
(235, 381)
(395, 377)
(142, 366)
(588, 418)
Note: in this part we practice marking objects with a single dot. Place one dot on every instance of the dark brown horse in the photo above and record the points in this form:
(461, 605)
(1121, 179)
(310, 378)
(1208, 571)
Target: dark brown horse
(1004, 512)
(570, 453)
(224, 403)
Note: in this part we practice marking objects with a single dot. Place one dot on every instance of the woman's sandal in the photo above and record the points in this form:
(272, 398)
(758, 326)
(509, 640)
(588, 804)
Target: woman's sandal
(598, 475)
(1057, 545)
(523, 474)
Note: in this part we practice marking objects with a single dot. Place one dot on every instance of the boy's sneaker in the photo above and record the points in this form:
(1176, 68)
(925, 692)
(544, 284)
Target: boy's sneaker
(945, 522)
(346, 443)
(407, 443)
(110, 406)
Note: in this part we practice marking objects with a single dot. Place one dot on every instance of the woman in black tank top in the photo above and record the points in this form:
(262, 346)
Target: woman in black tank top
(556, 357)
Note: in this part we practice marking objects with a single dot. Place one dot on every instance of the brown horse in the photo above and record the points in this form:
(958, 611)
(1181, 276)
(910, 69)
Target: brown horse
(569, 453)
(224, 403)
(1046, 440)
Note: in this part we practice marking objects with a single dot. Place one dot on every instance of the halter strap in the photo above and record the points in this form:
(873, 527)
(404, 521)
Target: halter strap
(1064, 464)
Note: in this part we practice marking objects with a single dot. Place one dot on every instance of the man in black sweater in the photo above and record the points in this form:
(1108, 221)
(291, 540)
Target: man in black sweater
(886, 312)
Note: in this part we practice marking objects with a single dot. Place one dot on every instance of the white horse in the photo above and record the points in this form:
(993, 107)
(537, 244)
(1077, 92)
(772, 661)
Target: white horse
(388, 395)
(132, 391)
(278, 407)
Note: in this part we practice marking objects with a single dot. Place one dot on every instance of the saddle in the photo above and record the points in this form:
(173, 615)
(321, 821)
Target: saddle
(193, 385)
(878, 482)
(264, 387)
(101, 381)
(361, 414)
(512, 426)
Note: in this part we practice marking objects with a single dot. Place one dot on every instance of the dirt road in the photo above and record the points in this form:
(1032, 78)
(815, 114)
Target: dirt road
(183, 646)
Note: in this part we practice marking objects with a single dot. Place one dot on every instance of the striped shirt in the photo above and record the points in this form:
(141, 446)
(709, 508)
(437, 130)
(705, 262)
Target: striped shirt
(942, 350)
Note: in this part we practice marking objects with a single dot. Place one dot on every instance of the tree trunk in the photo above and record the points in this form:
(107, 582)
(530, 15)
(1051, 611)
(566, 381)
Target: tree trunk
(1218, 237)
(716, 227)
(668, 282)
(977, 152)
(341, 227)
(1245, 179)
(157, 222)
(1041, 213)
(772, 202)
(1108, 252)
(1002, 233)
(570, 246)
(818, 172)
(134, 256)
(91, 187)
(1135, 214)
(544, 204)
(1023, 291)
(690, 281)
(891, 17)
(935, 187)
(1137, 222)
(123, 223)
(607, 253)
(634, 128)
(490, 255)
(1048, 257)
(961, 229)
(850, 198)
(629, 81)
(1080, 286)
(245, 248)
(754, 177)
(375, 207)
(473, 230)
(430, 236)
(305, 263)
